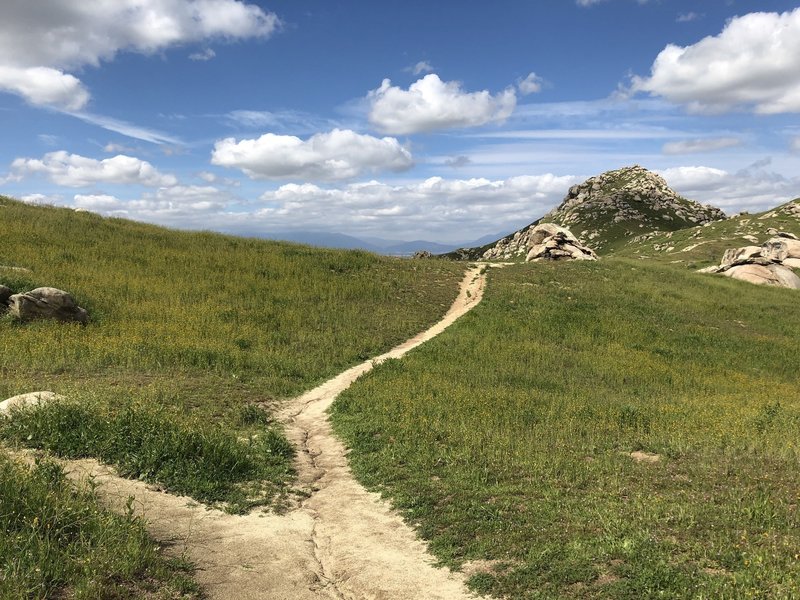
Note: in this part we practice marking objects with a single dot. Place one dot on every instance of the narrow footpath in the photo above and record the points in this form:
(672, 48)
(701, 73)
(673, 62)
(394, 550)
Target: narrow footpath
(341, 542)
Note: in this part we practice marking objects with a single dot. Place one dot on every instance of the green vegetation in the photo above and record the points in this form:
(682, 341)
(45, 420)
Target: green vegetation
(198, 323)
(191, 458)
(56, 543)
(193, 337)
(704, 246)
(508, 438)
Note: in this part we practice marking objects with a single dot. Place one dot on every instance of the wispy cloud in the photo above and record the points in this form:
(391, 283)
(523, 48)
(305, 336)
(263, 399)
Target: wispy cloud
(130, 130)
(701, 145)
(204, 55)
(419, 68)
(689, 17)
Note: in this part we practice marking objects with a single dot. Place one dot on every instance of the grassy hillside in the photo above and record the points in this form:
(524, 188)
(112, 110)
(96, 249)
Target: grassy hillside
(704, 246)
(508, 439)
(192, 338)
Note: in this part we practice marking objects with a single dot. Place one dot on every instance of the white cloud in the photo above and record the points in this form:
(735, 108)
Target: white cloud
(338, 154)
(431, 104)
(753, 63)
(44, 86)
(207, 176)
(753, 188)
(700, 145)
(421, 67)
(73, 170)
(532, 84)
(97, 202)
(688, 17)
(795, 145)
(39, 39)
(127, 129)
(443, 209)
(113, 148)
(41, 199)
(205, 55)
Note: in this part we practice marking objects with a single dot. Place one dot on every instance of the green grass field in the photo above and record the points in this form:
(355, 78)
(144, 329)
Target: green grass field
(508, 439)
(193, 337)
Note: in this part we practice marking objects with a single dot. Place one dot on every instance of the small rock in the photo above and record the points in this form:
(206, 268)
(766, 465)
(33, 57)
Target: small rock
(25, 400)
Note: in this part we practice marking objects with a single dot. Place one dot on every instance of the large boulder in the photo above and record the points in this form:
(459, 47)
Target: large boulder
(781, 248)
(26, 400)
(772, 274)
(47, 303)
(549, 241)
(769, 264)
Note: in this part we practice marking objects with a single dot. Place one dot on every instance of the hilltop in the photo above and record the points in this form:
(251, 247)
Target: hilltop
(607, 211)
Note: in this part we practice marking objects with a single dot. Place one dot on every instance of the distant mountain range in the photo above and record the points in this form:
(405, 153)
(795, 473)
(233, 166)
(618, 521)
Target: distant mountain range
(388, 247)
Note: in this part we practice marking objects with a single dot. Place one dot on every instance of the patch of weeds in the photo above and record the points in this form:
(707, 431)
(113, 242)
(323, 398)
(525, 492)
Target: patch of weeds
(56, 542)
(203, 461)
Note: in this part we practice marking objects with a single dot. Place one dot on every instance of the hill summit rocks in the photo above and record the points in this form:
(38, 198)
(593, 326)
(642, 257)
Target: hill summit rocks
(609, 208)
(608, 211)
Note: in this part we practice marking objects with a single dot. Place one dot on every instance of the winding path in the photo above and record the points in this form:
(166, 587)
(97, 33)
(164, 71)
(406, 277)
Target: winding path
(341, 542)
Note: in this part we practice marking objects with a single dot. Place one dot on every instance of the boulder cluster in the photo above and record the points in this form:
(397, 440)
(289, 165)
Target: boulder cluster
(625, 201)
(540, 242)
(42, 303)
(772, 263)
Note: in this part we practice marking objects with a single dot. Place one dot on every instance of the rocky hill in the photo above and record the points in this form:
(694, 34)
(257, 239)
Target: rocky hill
(607, 211)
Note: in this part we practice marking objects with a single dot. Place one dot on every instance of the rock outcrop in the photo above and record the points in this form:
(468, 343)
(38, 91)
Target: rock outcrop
(768, 264)
(542, 242)
(46, 303)
(618, 205)
(609, 211)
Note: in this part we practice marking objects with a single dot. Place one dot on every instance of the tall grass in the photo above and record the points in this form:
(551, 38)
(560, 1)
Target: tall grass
(508, 438)
(56, 543)
(167, 301)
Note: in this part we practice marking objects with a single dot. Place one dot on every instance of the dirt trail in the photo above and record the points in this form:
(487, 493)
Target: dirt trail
(341, 542)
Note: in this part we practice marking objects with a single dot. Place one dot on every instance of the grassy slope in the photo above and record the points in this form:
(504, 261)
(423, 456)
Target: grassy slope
(704, 246)
(507, 438)
(192, 336)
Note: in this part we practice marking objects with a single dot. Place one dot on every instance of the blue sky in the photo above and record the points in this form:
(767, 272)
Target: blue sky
(406, 120)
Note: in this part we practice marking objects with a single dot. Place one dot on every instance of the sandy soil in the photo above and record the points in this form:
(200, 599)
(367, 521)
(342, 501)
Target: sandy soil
(340, 542)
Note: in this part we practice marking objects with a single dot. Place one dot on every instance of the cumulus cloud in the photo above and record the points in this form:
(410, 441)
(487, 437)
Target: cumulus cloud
(532, 84)
(452, 209)
(754, 63)
(700, 145)
(754, 188)
(74, 170)
(430, 104)
(97, 202)
(338, 154)
(44, 86)
(40, 39)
